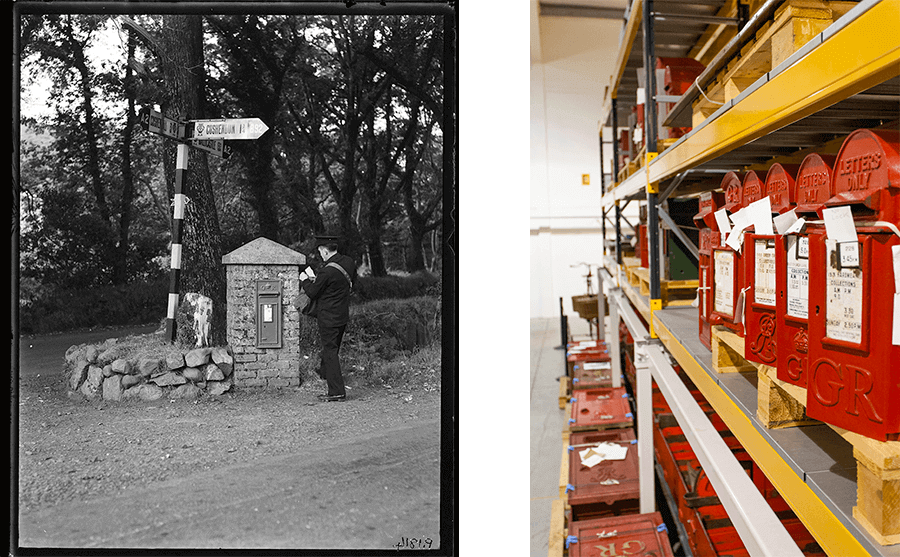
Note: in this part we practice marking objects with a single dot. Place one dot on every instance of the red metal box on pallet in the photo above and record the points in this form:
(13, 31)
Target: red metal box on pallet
(638, 535)
(760, 321)
(725, 264)
(854, 372)
(710, 238)
(811, 190)
(598, 409)
(592, 375)
(610, 487)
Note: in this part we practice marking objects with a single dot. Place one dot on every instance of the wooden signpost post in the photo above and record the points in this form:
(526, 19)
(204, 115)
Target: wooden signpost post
(209, 136)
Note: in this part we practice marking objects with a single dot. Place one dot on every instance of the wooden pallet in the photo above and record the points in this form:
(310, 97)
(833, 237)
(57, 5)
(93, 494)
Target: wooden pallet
(781, 404)
(557, 539)
(564, 391)
(793, 25)
(674, 293)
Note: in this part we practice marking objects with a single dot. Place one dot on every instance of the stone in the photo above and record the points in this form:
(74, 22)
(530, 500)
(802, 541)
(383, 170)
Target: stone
(168, 379)
(112, 387)
(175, 360)
(91, 353)
(121, 366)
(91, 386)
(78, 374)
(192, 374)
(108, 370)
(147, 366)
(147, 391)
(217, 388)
(197, 357)
(220, 355)
(73, 353)
(129, 381)
(187, 391)
(212, 373)
(226, 368)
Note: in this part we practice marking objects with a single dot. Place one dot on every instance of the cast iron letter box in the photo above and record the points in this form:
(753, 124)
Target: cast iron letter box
(268, 314)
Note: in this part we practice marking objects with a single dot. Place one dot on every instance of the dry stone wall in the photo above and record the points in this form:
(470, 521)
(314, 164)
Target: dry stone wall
(188, 374)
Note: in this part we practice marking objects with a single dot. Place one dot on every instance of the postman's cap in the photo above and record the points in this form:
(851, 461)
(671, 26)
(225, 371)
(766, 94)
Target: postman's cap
(322, 240)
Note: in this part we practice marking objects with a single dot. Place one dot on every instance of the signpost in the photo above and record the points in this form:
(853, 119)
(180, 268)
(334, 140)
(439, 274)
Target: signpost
(209, 136)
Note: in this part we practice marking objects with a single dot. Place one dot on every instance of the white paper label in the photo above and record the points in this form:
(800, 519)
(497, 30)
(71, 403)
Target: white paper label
(839, 224)
(784, 221)
(849, 254)
(702, 292)
(593, 366)
(764, 273)
(723, 275)
(761, 216)
(722, 221)
(797, 278)
(844, 296)
(267, 313)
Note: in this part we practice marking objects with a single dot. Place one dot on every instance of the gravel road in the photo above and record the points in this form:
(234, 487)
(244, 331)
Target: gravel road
(244, 470)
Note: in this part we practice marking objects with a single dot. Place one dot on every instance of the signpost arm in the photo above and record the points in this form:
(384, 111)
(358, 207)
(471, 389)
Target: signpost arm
(181, 161)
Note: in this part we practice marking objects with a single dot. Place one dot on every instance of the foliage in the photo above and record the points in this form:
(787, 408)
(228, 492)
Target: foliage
(370, 288)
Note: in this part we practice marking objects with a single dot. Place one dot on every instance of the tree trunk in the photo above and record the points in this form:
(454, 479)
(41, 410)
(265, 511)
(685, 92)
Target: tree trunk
(120, 263)
(202, 271)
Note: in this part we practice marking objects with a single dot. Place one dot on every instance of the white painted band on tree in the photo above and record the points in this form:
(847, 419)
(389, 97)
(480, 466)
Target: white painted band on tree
(180, 201)
(181, 157)
(173, 303)
(176, 256)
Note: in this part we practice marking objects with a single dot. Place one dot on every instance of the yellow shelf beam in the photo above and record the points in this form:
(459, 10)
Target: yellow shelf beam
(834, 538)
(631, 30)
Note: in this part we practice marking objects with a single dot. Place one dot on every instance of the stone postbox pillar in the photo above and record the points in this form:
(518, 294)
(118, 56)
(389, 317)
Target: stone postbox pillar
(263, 326)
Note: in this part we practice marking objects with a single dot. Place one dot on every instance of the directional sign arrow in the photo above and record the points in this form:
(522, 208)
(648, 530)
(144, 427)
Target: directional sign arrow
(155, 122)
(228, 128)
(214, 146)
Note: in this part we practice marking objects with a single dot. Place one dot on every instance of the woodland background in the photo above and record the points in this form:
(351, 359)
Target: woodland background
(357, 120)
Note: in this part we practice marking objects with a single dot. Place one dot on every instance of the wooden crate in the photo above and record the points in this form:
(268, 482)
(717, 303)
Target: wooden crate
(728, 352)
(793, 25)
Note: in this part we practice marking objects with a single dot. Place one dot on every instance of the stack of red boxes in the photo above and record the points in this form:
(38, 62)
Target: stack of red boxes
(680, 75)
(854, 314)
(710, 237)
(636, 534)
(811, 190)
(760, 320)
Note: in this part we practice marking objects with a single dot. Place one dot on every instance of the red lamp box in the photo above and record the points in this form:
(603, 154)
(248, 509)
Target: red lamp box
(710, 237)
(599, 409)
(724, 263)
(608, 488)
(636, 535)
(760, 320)
(644, 245)
(812, 190)
(680, 74)
(854, 371)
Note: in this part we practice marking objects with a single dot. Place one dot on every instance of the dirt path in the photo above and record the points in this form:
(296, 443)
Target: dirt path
(248, 470)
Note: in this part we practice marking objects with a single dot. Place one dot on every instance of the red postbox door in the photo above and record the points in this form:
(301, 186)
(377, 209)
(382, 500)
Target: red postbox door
(636, 535)
(724, 261)
(598, 409)
(854, 375)
(760, 318)
(710, 202)
(609, 481)
(812, 189)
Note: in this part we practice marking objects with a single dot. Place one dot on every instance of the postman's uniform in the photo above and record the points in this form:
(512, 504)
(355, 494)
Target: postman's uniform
(331, 291)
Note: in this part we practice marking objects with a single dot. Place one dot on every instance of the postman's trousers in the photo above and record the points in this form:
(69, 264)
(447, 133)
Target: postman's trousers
(330, 369)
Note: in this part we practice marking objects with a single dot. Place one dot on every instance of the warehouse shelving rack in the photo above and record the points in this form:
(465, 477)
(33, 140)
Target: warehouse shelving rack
(845, 78)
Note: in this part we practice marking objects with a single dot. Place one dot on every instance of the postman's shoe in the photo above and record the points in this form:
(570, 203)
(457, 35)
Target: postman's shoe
(332, 398)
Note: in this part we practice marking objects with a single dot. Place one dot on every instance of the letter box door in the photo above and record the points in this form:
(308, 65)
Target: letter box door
(725, 265)
(268, 314)
(759, 298)
(854, 379)
(710, 202)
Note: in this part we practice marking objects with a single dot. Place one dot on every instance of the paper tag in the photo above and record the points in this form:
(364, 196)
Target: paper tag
(722, 221)
(634, 241)
(896, 330)
(895, 250)
(797, 227)
(839, 225)
(761, 216)
(784, 221)
(735, 239)
(591, 366)
(740, 219)
(739, 309)
(849, 252)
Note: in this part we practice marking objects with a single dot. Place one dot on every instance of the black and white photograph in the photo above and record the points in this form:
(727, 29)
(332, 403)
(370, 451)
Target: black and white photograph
(234, 274)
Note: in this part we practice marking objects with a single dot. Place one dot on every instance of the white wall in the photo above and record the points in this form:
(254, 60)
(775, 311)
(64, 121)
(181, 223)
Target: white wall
(569, 72)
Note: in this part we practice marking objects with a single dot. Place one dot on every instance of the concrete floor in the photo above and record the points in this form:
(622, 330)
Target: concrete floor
(547, 422)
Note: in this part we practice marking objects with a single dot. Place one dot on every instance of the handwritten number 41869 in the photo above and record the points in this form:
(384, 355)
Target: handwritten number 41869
(414, 543)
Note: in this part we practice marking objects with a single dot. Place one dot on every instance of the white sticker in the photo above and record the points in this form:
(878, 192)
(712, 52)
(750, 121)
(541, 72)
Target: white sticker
(803, 248)
(797, 278)
(267, 313)
(735, 239)
(839, 224)
(843, 298)
(764, 273)
(723, 275)
(784, 221)
(722, 221)
(593, 366)
(849, 254)
(797, 227)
